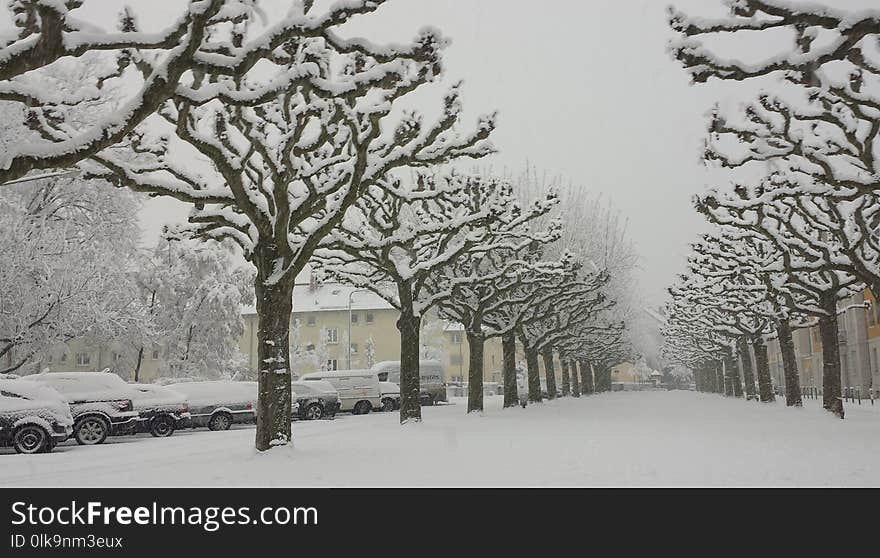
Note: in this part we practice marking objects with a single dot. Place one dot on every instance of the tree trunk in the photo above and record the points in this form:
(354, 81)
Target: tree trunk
(831, 396)
(410, 384)
(274, 308)
(603, 379)
(728, 380)
(475, 372)
(587, 386)
(549, 373)
(746, 363)
(534, 375)
(137, 368)
(566, 379)
(765, 384)
(719, 374)
(733, 373)
(508, 349)
(576, 388)
(789, 365)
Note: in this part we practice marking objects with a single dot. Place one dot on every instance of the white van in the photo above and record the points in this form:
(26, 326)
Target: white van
(359, 390)
(433, 388)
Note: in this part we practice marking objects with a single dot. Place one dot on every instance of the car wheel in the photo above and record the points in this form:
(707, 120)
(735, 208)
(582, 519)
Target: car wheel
(91, 431)
(429, 400)
(362, 408)
(162, 427)
(388, 405)
(220, 421)
(314, 411)
(30, 439)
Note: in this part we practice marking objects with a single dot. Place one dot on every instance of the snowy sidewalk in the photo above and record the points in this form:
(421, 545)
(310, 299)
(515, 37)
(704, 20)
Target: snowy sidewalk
(618, 439)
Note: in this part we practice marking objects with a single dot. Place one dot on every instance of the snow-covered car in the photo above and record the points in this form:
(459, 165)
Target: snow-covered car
(315, 399)
(358, 389)
(33, 418)
(161, 410)
(219, 404)
(433, 389)
(390, 396)
(100, 402)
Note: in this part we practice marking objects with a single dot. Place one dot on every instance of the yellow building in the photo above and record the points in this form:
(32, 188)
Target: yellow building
(321, 327)
(81, 355)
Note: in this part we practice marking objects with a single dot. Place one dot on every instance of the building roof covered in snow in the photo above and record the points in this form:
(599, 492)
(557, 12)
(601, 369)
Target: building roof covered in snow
(330, 297)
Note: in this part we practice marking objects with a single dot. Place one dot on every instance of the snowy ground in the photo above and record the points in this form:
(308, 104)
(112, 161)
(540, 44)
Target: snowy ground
(620, 439)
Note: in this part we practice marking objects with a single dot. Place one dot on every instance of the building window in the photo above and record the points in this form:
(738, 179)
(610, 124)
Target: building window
(369, 319)
(63, 357)
(332, 335)
(354, 348)
(310, 347)
(456, 338)
(354, 318)
(117, 357)
(155, 354)
(49, 358)
(83, 359)
(332, 364)
(455, 360)
(310, 320)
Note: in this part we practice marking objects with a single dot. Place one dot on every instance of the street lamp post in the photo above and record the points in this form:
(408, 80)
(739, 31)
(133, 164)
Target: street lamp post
(351, 294)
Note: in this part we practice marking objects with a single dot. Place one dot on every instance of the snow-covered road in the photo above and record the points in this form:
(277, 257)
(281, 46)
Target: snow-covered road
(618, 439)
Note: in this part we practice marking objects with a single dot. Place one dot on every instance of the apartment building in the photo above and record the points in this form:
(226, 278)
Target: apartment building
(327, 315)
(859, 344)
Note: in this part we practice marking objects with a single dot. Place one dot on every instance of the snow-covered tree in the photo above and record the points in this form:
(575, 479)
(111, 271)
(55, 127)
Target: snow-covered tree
(197, 292)
(490, 289)
(574, 304)
(271, 159)
(370, 351)
(67, 257)
(403, 233)
(162, 65)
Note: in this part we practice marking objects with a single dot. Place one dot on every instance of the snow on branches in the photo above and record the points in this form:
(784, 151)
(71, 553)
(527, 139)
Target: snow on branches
(815, 36)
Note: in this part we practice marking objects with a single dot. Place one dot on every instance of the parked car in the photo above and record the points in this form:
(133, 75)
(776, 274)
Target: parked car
(100, 402)
(33, 418)
(219, 404)
(390, 396)
(316, 399)
(161, 410)
(358, 389)
(430, 378)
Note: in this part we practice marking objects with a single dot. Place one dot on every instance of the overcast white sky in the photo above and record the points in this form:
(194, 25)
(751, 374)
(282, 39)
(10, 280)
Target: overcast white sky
(585, 89)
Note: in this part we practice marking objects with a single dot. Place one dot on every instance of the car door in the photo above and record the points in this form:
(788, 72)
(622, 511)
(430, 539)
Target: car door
(344, 386)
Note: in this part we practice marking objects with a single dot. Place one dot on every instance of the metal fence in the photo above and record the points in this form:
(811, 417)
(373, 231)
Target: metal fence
(852, 394)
